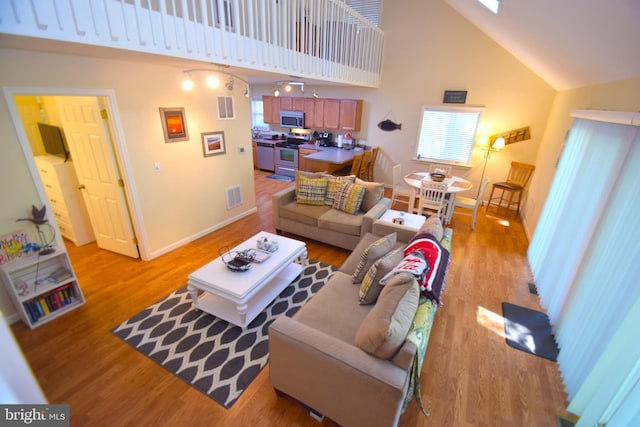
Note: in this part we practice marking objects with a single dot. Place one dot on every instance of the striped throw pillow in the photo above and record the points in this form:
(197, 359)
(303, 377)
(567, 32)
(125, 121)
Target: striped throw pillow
(349, 197)
(311, 191)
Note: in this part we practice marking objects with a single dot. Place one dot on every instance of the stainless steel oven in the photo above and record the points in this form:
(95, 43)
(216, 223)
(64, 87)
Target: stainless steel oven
(287, 157)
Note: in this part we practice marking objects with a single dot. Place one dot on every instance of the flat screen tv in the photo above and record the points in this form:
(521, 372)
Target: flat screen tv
(53, 140)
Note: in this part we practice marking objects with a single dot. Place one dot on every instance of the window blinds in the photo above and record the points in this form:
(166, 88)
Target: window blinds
(583, 256)
(447, 134)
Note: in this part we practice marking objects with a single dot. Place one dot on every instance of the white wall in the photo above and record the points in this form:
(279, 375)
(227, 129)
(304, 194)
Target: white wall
(620, 96)
(430, 48)
(187, 197)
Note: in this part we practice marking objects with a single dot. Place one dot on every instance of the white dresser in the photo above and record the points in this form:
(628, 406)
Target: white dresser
(65, 198)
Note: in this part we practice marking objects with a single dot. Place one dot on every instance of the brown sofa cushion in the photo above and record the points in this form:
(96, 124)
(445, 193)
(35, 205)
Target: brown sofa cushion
(341, 222)
(372, 253)
(386, 326)
(371, 287)
(373, 193)
(334, 311)
(305, 214)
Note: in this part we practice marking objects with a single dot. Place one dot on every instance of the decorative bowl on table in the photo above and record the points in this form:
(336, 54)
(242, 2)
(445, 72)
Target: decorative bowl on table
(236, 260)
(437, 176)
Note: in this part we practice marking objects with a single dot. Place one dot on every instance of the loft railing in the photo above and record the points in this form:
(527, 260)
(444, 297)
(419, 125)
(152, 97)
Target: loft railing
(319, 39)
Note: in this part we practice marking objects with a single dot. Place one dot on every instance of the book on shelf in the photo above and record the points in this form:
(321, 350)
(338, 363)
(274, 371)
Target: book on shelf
(60, 275)
(49, 302)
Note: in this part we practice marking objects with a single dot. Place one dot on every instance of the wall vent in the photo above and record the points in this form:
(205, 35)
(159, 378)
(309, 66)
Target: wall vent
(225, 107)
(234, 196)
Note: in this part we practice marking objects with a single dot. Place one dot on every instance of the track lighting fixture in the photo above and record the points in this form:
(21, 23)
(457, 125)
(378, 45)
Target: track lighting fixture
(288, 87)
(212, 80)
(315, 94)
(187, 83)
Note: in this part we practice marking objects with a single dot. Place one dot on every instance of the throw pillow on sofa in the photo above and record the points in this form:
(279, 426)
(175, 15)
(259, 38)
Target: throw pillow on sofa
(374, 252)
(373, 193)
(371, 287)
(385, 328)
(349, 197)
(334, 183)
(311, 191)
(432, 225)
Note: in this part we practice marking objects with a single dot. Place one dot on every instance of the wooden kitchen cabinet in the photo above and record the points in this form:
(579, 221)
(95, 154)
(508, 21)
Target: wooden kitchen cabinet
(314, 113)
(350, 114)
(301, 160)
(271, 109)
(331, 114)
(318, 116)
(298, 104)
(319, 113)
(286, 103)
(290, 103)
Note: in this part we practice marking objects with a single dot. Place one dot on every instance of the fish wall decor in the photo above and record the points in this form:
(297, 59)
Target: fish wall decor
(388, 125)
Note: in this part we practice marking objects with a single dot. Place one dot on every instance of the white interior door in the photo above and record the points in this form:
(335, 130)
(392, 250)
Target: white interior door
(97, 171)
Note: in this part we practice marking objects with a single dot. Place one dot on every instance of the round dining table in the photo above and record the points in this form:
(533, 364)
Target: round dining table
(455, 184)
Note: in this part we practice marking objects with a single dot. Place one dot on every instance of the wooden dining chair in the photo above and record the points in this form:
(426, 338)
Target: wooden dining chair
(468, 204)
(432, 199)
(517, 180)
(372, 163)
(364, 165)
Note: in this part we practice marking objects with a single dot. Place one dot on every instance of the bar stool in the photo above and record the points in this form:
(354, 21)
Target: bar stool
(372, 162)
(355, 167)
(517, 180)
(364, 165)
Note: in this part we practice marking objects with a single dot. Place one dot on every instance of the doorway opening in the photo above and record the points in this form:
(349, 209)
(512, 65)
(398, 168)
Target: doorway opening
(89, 200)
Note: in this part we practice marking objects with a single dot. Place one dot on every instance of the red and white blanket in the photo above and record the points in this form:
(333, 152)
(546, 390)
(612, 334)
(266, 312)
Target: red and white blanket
(428, 262)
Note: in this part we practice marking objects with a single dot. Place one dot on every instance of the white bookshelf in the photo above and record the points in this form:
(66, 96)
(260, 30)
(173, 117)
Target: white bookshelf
(37, 295)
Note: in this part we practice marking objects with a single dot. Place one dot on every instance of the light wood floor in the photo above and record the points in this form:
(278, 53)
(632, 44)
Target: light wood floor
(470, 376)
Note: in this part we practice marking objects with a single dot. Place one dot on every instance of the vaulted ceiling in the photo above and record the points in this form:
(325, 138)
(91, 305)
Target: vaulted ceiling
(568, 43)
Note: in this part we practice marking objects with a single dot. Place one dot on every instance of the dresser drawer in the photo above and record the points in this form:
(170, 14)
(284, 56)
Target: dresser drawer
(67, 231)
(61, 215)
(67, 205)
(56, 199)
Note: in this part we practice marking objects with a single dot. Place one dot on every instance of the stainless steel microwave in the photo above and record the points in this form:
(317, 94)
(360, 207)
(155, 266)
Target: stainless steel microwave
(291, 119)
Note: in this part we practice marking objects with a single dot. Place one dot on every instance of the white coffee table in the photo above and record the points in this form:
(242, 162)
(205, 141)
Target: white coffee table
(238, 297)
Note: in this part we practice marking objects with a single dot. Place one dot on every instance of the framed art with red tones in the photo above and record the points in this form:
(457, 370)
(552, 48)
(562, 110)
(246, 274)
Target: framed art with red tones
(174, 124)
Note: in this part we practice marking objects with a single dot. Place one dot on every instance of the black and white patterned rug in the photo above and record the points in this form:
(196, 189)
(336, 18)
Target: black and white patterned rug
(215, 357)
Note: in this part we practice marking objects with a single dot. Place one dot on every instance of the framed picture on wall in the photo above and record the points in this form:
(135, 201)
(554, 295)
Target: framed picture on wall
(213, 143)
(174, 124)
(454, 97)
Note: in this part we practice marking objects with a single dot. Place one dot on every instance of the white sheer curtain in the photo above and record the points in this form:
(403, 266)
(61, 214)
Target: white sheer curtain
(584, 256)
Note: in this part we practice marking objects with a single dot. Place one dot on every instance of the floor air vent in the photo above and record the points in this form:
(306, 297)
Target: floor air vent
(234, 196)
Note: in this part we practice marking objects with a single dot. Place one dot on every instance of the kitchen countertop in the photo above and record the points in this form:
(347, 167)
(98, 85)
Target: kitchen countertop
(321, 148)
(267, 140)
(329, 159)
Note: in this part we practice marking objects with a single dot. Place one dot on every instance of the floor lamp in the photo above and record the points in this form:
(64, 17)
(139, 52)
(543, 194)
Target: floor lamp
(497, 145)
